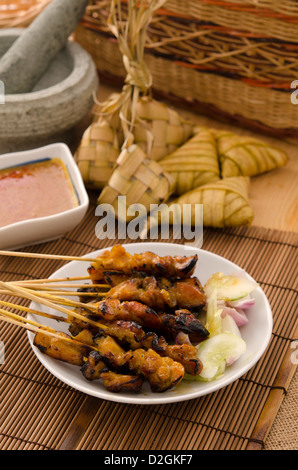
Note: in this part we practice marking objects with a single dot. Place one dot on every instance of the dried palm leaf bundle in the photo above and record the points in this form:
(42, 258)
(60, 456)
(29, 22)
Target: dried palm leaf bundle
(166, 129)
(132, 116)
(225, 204)
(140, 179)
(195, 163)
(149, 128)
(100, 145)
(247, 156)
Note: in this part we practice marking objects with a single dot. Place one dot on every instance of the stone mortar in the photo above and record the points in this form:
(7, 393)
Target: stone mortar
(59, 101)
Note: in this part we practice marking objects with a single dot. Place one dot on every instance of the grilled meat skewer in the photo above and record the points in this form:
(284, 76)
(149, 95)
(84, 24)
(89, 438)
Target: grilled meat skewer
(118, 259)
(131, 335)
(160, 293)
(162, 373)
(95, 368)
(166, 324)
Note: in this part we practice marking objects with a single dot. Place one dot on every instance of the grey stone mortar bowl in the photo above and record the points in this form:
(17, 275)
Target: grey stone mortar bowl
(58, 102)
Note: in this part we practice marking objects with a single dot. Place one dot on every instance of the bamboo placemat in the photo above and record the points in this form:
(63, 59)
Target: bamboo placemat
(39, 412)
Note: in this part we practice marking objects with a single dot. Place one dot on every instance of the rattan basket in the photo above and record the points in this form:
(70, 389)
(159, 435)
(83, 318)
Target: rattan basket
(20, 13)
(234, 60)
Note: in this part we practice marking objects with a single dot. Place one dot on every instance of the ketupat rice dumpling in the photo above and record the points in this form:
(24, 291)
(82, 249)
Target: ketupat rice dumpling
(225, 204)
(247, 156)
(193, 164)
(159, 129)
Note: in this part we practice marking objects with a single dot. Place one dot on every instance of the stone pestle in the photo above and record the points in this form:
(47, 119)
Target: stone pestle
(31, 54)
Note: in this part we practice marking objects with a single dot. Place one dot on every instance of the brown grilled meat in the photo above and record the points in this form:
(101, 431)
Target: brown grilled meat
(162, 373)
(118, 259)
(95, 368)
(168, 325)
(59, 349)
(131, 335)
(160, 293)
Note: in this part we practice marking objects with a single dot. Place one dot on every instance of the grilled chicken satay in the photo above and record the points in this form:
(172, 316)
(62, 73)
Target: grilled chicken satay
(162, 373)
(118, 259)
(61, 350)
(95, 368)
(169, 325)
(131, 335)
(161, 293)
(127, 333)
(74, 353)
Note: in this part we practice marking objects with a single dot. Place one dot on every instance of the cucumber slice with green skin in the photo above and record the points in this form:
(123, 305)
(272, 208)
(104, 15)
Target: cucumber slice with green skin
(217, 351)
(229, 288)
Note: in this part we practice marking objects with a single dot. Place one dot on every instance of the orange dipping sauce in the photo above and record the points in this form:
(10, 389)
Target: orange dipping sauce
(35, 190)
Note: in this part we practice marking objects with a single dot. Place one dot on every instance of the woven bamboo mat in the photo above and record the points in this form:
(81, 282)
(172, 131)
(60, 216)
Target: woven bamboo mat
(39, 412)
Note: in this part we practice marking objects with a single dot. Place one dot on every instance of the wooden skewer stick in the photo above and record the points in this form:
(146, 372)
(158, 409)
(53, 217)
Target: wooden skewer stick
(40, 286)
(23, 319)
(46, 280)
(25, 293)
(56, 300)
(35, 329)
(33, 312)
(45, 256)
(66, 293)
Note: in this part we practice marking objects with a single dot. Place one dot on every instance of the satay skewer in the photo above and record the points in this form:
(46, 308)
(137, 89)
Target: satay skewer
(40, 286)
(21, 254)
(22, 308)
(50, 280)
(56, 293)
(15, 291)
(45, 301)
(35, 327)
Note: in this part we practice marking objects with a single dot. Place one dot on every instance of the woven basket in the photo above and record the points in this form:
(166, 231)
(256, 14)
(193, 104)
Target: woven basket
(20, 13)
(234, 60)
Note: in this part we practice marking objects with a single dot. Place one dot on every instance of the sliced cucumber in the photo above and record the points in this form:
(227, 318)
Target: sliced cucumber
(228, 287)
(217, 351)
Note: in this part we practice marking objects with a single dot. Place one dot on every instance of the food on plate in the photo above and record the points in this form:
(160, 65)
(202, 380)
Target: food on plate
(125, 343)
(118, 259)
(161, 293)
(229, 288)
(193, 164)
(247, 156)
(35, 190)
(59, 349)
(169, 323)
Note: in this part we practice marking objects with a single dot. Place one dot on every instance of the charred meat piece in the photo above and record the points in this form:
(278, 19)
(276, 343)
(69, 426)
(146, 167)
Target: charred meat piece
(95, 368)
(73, 353)
(121, 382)
(186, 354)
(184, 321)
(118, 259)
(131, 335)
(114, 309)
(161, 372)
(127, 332)
(169, 325)
(161, 294)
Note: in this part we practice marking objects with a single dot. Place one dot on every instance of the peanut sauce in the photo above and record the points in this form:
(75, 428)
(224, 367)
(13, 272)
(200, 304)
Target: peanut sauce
(35, 190)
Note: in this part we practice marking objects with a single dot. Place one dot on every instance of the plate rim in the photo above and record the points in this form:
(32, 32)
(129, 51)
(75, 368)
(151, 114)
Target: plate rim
(158, 398)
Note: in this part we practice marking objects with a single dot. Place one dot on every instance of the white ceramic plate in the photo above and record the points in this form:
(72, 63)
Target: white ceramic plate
(42, 229)
(256, 332)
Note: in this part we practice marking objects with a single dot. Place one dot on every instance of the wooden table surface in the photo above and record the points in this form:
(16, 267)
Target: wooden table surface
(273, 196)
